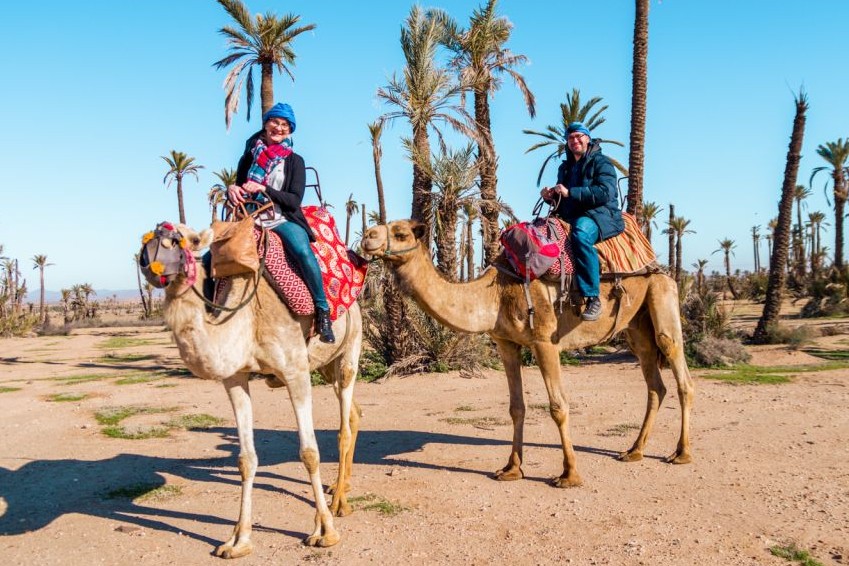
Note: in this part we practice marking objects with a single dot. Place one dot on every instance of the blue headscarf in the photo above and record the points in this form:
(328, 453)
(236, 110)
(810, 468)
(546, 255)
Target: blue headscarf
(281, 110)
(573, 127)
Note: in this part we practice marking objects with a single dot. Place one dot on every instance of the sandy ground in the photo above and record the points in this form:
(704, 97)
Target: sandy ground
(770, 466)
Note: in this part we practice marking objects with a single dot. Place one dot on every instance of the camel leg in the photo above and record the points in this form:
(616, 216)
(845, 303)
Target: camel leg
(511, 357)
(548, 358)
(300, 393)
(642, 342)
(663, 307)
(240, 398)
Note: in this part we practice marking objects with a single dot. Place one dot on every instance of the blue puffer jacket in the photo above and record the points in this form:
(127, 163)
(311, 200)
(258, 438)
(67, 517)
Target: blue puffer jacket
(594, 195)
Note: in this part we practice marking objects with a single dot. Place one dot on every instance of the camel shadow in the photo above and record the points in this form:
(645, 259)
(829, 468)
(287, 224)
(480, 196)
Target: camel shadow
(41, 491)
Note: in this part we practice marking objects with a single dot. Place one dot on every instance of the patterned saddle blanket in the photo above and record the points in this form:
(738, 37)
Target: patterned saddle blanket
(628, 253)
(343, 271)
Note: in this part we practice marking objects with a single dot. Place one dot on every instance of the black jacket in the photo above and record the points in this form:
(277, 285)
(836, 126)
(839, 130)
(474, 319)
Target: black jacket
(291, 195)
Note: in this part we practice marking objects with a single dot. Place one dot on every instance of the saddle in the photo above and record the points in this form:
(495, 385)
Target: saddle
(343, 271)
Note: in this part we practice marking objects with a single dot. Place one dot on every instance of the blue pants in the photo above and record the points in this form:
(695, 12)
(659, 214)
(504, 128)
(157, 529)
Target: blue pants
(585, 234)
(297, 245)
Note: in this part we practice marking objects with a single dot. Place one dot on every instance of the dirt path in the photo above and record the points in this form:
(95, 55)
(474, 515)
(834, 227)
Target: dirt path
(770, 467)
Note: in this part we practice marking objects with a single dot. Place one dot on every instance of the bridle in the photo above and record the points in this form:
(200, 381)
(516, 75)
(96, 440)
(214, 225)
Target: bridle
(389, 252)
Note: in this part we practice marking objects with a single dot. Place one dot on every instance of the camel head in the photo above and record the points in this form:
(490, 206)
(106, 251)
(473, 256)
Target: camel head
(167, 255)
(393, 242)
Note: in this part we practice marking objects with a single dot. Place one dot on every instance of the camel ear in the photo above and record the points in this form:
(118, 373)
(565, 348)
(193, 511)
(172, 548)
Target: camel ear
(205, 238)
(418, 229)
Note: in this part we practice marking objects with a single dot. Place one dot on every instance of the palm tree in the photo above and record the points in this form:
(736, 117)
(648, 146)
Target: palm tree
(639, 81)
(648, 212)
(727, 246)
(678, 226)
(836, 155)
(572, 111)
(756, 240)
(671, 233)
(375, 130)
(67, 315)
(481, 59)
(180, 165)
(817, 220)
(351, 208)
(700, 274)
(781, 242)
(264, 41)
(799, 195)
(423, 95)
(218, 192)
(454, 175)
(40, 262)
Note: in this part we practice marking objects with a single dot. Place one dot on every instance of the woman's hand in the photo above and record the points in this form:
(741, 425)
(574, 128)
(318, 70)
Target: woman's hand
(253, 187)
(235, 194)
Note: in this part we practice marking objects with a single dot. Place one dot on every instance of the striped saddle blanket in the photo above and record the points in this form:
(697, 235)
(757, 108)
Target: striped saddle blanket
(628, 253)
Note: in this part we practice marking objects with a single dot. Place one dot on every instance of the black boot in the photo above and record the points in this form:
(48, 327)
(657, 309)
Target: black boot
(324, 326)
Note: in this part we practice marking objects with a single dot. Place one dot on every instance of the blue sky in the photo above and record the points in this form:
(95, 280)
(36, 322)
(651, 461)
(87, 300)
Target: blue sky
(97, 91)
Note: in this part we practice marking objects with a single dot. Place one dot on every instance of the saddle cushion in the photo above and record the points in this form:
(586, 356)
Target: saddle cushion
(343, 272)
(629, 252)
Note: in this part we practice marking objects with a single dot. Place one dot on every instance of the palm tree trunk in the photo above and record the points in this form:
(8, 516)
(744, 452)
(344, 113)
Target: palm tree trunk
(266, 87)
(378, 178)
(180, 200)
(41, 310)
(671, 238)
(839, 206)
(347, 227)
(488, 176)
(422, 187)
(781, 236)
(446, 245)
(728, 275)
(678, 260)
(639, 83)
(470, 249)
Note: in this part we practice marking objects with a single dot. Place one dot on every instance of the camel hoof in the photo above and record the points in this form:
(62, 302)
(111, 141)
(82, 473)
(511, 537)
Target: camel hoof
(332, 489)
(678, 458)
(329, 539)
(341, 510)
(570, 481)
(238, 551)
(511, 474)
(630, 456)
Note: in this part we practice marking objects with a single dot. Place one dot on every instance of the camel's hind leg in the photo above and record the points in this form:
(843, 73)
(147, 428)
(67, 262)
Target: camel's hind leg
(510, 357)
(300, 393)
(666, 318)
(240, 543)
(641, 339)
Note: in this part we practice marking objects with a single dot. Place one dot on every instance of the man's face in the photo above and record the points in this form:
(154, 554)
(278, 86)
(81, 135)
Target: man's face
(578, 143)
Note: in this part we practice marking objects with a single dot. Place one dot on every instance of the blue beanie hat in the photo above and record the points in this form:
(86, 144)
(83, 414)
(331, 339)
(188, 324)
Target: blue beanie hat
(576, 127)
(281, 110)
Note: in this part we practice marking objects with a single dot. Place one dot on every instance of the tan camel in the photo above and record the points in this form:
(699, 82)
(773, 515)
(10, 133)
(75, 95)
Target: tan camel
(495, 304)
(265, 337)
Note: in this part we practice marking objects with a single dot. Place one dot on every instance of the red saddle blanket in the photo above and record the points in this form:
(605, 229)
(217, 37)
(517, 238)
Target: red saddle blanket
(628, 252)
(343, 272)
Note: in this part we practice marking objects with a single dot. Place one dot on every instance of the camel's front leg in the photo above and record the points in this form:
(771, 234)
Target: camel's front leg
(240, 543)
(511, 357)
(548, 358)
(300, 393)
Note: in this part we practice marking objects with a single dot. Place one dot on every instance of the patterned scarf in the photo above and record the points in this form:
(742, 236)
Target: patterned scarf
(266, 158)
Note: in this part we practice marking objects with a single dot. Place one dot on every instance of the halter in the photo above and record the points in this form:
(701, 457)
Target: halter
(389, 252)
(163, 257)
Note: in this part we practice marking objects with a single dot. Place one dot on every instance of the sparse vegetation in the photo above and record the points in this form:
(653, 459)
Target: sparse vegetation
(794, 554)
(6, 389)
(476, 421)
(145, 492)
(372, 502)
(66, 397)
(745, 374)
(116, 342)
(198, 421)
(620, 429)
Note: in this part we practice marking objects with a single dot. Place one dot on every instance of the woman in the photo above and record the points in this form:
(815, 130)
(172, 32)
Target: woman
(269, 167)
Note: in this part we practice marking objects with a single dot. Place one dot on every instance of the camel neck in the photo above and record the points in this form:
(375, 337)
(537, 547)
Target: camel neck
(464, 307)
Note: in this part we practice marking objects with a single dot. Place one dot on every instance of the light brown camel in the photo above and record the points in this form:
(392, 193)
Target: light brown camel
(495, 304)
(265, 337)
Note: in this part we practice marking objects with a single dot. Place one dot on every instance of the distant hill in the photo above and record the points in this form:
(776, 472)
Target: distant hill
(101, 295)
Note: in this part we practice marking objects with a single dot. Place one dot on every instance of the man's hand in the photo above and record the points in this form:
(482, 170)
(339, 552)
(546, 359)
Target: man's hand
(551, 193)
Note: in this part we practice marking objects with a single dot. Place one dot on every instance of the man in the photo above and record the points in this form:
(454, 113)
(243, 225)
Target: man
(585, 196)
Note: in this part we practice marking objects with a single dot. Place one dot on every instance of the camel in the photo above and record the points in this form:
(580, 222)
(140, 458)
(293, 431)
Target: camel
(265, 338)
(495, 304)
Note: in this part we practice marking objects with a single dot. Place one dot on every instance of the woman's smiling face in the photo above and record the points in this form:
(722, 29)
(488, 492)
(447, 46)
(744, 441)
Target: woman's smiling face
(276, 130)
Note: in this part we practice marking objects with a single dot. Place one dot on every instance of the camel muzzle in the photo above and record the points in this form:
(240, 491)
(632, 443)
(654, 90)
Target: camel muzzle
(163, 256)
